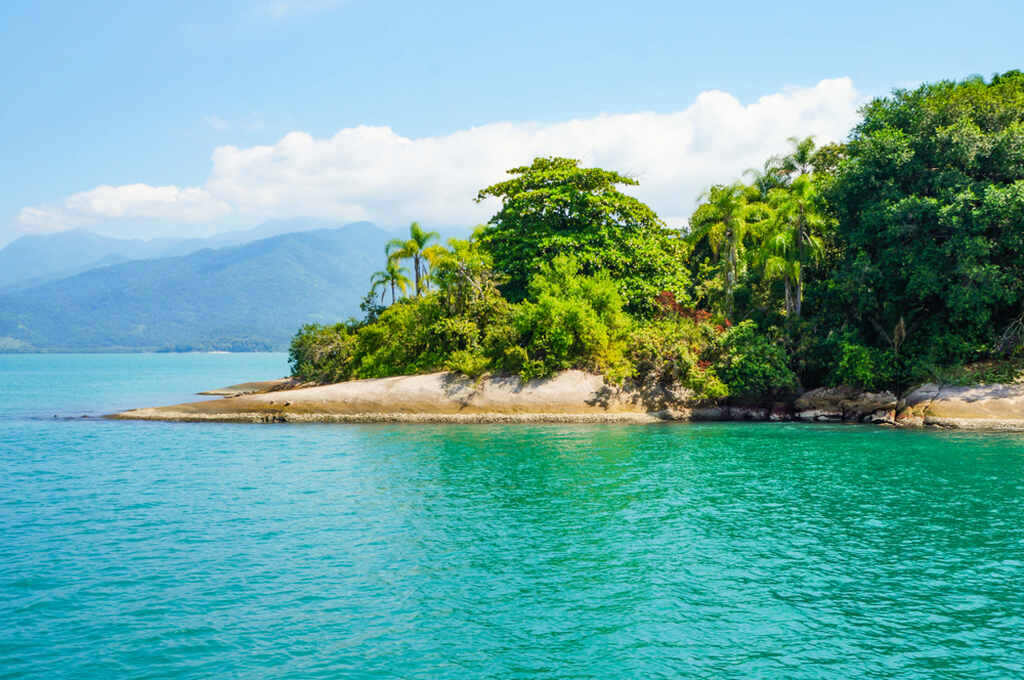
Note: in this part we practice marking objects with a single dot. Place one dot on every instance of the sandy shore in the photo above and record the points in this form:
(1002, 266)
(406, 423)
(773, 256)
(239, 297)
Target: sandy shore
(571, 396)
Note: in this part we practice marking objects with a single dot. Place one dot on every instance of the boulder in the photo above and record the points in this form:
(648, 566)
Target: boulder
(995, 406)
(813, 415)
(843, 403)
(747, 413)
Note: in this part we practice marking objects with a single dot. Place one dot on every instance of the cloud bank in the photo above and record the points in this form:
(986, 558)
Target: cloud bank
(374, 173)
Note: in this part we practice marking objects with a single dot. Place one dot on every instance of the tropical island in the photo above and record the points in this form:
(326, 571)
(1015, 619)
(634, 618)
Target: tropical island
(880, 280)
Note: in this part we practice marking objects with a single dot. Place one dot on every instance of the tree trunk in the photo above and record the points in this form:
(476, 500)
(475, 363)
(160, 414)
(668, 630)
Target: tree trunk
(416, 270)
(392, 292)
(730, 277)
(798, 293)
(789, 295)
(800, 240)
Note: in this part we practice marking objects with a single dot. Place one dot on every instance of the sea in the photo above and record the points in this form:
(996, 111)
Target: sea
(718, 550)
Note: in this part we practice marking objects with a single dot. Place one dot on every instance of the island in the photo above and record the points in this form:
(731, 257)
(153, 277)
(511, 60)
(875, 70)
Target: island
(876, 280)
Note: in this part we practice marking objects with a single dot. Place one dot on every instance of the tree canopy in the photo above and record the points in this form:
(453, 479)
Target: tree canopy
(554, 207)
(930, 203)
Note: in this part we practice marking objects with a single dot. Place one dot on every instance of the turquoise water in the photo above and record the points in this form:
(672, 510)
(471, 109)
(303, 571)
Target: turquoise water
(153, 550)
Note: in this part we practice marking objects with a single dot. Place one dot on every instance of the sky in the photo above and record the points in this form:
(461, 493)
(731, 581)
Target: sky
(145, 119)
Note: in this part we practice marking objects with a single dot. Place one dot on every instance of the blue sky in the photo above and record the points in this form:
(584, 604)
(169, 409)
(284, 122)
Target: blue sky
(140, 94)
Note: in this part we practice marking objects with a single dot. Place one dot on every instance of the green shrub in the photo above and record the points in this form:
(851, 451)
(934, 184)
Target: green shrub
(677, 351)
(754, 366)
(864, 367)
(569, 321)
(468, 363)
(322, 354)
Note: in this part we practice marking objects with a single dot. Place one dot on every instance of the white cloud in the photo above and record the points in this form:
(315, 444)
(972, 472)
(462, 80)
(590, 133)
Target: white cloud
(131, 201)
(376, 174)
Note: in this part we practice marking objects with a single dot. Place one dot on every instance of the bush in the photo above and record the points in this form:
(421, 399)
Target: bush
(864, 367)
(468, 363)
(677, 351)
(753, 366)
(569, 321)
(322, 354)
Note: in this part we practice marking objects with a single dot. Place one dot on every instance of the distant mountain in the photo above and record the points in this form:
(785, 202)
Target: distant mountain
(38, 258)
(252, 296)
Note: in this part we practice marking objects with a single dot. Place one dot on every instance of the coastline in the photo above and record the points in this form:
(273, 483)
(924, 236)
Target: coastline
(579, 397)
(569, 397)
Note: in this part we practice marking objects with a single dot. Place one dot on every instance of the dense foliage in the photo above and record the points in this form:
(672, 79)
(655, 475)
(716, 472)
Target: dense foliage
(893, 257)
(930, 204)
(554, 207)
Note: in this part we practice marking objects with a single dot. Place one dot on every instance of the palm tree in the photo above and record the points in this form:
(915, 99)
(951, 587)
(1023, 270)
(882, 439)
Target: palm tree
(413, 247)
(800, 161)
(392, 275)
(723, 221)
(795, 239)
(771, 176)
(432, 255)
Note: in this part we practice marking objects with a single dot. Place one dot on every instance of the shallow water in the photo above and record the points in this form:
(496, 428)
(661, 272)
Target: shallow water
(165, 550)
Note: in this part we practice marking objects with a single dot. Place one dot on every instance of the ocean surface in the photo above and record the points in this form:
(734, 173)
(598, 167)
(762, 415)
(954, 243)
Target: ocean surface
(165, 550)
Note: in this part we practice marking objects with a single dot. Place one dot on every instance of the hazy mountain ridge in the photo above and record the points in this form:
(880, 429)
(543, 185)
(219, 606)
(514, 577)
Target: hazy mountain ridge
(34, 259)
(252, 296)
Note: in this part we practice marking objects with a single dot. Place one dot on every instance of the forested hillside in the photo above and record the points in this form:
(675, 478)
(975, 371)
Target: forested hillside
(238, 298)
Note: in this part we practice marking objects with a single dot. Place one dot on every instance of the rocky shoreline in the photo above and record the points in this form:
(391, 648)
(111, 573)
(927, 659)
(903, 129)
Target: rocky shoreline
(579, 397)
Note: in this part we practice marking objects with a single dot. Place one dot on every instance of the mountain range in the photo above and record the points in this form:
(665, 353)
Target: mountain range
(36, 258)
(252, 296)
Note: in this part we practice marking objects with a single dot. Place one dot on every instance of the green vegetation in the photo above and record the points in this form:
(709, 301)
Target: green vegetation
(553, 207)
(893, 258)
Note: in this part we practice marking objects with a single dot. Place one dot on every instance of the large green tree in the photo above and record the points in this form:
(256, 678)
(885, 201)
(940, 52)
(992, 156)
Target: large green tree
(554, 207)
(930, 204)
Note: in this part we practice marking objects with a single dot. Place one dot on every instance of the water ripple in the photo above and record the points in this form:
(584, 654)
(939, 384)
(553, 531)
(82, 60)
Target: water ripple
(160, 551)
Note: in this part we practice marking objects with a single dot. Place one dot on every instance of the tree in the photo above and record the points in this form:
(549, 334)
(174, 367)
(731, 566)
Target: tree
(770, 176)
(413, 247)
(554, 207)
(464, 275)
(393, 275)
(432, 255)
(723, 221)
(796, 226)
(799, 161)
(929, 201)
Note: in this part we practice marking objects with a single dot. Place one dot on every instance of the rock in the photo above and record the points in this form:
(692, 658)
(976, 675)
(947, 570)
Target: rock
(780, 412)
(996, 406)
(825, 398)
(257, 387)
(842, 403)
(570, 396)
(812, 415)
(881, 417)
(708, 413)
(747, 413)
